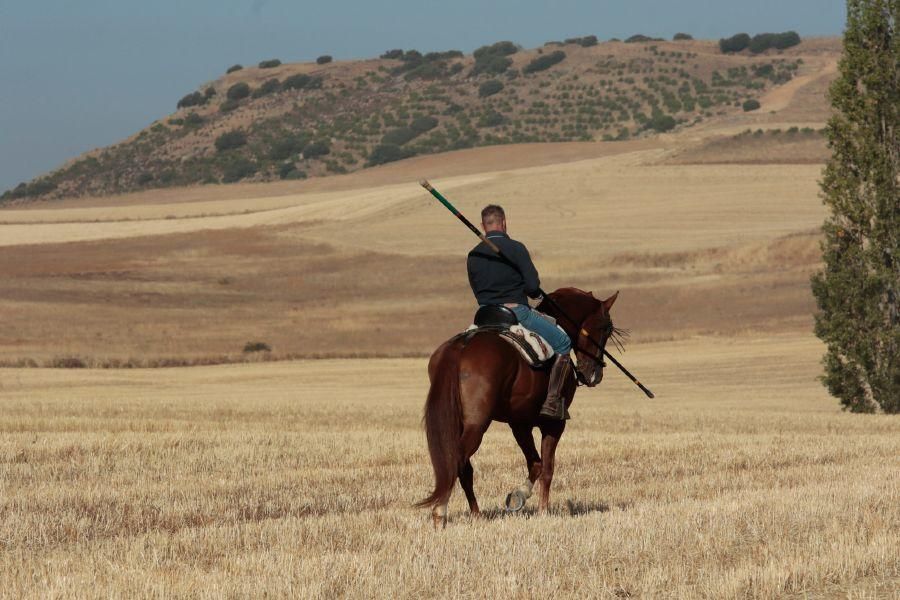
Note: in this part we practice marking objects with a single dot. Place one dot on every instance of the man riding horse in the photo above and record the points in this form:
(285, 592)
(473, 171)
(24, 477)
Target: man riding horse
(479, 376)
(510, 283)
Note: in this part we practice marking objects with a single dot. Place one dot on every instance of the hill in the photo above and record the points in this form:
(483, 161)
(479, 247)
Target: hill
(293, 121)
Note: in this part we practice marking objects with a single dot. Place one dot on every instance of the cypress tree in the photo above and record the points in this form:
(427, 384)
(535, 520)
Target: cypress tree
(858, 291)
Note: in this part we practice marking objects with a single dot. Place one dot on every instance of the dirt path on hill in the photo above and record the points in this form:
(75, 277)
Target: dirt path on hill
(781, 97)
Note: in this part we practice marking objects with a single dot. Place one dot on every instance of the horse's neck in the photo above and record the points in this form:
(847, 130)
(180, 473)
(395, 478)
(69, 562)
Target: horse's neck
(570, 310)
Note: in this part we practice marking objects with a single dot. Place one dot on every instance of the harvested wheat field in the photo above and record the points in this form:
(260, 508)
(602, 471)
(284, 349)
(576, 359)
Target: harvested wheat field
(741, 480)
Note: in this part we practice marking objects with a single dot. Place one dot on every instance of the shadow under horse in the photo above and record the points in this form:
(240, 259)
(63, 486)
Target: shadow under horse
(486, 379)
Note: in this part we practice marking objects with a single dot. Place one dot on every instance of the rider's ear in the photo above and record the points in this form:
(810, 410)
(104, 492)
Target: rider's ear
(610, 301)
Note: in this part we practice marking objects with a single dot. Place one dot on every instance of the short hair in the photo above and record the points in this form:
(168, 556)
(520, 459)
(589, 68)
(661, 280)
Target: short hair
(492, 213)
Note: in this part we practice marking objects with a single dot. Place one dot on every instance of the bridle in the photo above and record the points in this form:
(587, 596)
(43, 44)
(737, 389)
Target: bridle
(598, 357)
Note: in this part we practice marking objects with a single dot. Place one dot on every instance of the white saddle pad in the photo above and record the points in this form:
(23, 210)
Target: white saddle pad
(540, 346)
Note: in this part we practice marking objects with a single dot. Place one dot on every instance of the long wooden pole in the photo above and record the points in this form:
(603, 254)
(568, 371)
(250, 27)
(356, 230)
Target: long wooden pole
(546, 296)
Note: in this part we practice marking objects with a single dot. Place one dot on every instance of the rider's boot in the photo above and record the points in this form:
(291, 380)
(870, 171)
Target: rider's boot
(555, 405)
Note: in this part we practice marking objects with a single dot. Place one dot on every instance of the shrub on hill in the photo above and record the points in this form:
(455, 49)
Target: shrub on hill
(491, 119)
(735, 43)
(398, 137)
(763, 41)
(270, 64)
(270, 86)
(446, 55)
(430, 66)
(231, 140)
(489, 88)
(639, 37)
(385, 153)
(30, 190)
(493, 59)
(682, 36)
(228, 106)
(237, 168)
(167, 176)
(316, 149)
(287, 146)
(412, 56)
(750, 105)
(544, 62)
(209, 92)
(324, 59)
(585, 42)
(660, 122)
(297, 82)
(290, 171)
(410, 60)
(192, 99)
(234, 68)
(504, 48)
(422, 124)
(395, 53)
(193, 120)
(238, 91)
(766, 70)
(491, 64)
(425, 70)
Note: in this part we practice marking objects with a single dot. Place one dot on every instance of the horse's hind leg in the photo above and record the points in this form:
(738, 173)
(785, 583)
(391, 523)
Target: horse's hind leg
(471, 439)
(523, 436)
(439, 514)
(466, 479)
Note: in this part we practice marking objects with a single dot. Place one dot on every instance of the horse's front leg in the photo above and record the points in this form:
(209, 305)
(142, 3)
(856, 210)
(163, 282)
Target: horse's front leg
(523, 436)
(551, 431)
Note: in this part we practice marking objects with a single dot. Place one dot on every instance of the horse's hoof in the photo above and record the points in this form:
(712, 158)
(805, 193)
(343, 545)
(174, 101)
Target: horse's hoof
(515, 501)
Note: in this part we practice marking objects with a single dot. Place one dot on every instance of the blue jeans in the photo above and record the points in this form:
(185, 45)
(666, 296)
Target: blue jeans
(533, 321)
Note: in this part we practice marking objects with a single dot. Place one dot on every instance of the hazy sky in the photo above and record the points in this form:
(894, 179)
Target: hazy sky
(79, 74)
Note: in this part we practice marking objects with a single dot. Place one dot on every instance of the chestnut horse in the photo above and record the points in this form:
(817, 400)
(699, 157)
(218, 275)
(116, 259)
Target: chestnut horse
(486, 379)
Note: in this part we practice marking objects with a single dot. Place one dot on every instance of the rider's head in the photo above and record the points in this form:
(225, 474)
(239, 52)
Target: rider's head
(493, 218)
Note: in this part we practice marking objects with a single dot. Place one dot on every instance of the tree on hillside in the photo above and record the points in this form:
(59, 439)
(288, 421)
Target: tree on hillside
(735, 43)
(858, 292)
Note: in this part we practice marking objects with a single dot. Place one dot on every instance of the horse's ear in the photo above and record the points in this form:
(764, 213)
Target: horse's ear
(610, 301)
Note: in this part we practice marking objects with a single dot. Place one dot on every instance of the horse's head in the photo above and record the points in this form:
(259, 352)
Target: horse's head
(592, 328)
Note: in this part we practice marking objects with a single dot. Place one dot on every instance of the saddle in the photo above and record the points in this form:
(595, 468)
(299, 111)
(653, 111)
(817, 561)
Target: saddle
(502, 321)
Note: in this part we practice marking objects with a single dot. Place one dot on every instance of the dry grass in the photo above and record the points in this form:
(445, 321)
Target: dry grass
(741, 480)
(768, 148)
(343, 272)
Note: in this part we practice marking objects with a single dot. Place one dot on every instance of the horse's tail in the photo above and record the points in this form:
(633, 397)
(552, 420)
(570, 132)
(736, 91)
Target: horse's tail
(443, 425)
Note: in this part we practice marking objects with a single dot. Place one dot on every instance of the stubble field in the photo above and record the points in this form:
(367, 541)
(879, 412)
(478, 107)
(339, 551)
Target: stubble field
(296, 477)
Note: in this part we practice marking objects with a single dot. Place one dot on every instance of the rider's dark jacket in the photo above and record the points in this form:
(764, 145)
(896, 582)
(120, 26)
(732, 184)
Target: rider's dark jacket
(496, 282)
